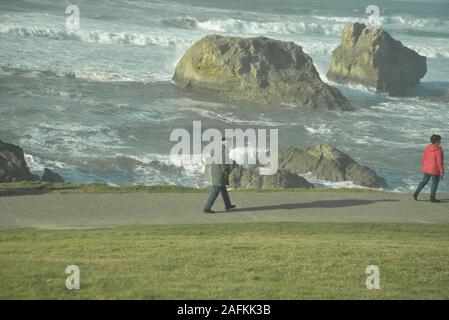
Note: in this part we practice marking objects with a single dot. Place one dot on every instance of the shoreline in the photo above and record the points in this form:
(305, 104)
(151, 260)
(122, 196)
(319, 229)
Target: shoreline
(39, 187)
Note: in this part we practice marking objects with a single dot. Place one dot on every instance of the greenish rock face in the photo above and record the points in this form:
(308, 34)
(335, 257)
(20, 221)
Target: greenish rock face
(330, 164)
(245, 178)
(257, 70)
(373, 58)
(323, 161)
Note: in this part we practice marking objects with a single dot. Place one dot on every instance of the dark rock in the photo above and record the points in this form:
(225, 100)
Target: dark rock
(330, 164)
(246, 178)
(51, 176)
(13, 166)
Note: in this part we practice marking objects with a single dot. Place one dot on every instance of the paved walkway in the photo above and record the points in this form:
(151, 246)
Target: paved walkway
(58, 211)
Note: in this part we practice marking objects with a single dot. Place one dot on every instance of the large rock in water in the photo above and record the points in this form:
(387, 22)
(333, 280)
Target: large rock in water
(13, 166)
(246, 178)
(330, 164)
(373, 58)
(257, 70)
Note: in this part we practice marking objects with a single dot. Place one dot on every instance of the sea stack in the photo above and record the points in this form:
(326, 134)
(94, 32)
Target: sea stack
(257, 70)
(373, 58)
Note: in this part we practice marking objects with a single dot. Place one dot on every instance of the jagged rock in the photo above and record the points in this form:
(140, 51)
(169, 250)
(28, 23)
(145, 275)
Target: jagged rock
(373, 58)
(330, 164)
(246, 178)
(257, 70)
(13, 166)
(51, 176)
(285, 179)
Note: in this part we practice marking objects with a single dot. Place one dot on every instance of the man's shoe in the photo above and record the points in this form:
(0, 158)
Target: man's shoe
(415, 196)
(232, 206)
(432, 199)
(208, 211)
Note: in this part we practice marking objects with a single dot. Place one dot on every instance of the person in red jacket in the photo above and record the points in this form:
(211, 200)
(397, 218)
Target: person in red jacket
(432, 167)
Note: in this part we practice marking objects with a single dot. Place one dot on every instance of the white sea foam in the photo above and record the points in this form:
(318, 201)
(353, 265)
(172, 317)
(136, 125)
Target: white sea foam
(54, 137)
(228, 117)
(333, 185)
(102, 37)
(432, 50)
(412, 21)
(397, 21)
(189, 23)
(274, 27)
(37, 164)
(110, 76)
(86, 73)
(319, 129)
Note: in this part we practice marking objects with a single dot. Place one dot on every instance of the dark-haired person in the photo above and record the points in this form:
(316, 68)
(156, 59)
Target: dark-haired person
(220, 179)
(432, 167)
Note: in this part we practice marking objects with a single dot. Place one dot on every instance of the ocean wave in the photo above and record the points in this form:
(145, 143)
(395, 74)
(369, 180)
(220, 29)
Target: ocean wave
(327, 25)
(414, 22)
(189, 23)
(151, 169)
(232, 119)
(322, 25)
(431, 51)
(333, 185)
(102, 37)
(71, 138)
(275, 27)
(85, 74)
(319, 129)
(110, 76)
(392, 21)
(37, 163)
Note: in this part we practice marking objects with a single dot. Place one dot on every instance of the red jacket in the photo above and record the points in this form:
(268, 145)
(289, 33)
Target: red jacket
(432, 160)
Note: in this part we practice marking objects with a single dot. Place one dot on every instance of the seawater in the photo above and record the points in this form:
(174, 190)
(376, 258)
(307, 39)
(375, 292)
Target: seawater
(97, 104)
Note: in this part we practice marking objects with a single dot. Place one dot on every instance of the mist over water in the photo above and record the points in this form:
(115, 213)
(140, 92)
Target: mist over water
(97, 104)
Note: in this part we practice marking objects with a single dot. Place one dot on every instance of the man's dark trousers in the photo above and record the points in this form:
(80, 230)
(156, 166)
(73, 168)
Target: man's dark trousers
(215, 190)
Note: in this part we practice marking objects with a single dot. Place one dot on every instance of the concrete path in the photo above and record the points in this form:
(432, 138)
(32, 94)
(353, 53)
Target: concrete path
(59, 211)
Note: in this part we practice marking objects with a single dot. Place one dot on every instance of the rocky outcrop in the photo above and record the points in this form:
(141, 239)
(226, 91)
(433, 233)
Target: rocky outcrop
(373, 58)
(51, 176)
(257, 70)
(330, 164)
(13, 166)
(246, 178)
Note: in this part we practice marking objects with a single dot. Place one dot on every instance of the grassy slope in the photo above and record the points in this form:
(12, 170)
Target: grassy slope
(257, 260)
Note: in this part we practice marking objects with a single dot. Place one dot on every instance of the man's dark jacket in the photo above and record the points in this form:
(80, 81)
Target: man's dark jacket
(220, 171)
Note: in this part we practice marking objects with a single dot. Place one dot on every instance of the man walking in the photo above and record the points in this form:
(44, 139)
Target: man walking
(432, 167)
(220, 179)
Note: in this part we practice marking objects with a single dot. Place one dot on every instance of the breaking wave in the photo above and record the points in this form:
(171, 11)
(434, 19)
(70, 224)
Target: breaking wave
(103, 37)
(261, 28)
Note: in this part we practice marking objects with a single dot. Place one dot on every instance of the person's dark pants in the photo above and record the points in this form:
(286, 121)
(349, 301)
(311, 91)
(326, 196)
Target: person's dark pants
(425, 181)
(215, 190)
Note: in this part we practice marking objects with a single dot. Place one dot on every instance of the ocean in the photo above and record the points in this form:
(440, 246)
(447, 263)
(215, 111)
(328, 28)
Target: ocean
(98, 105)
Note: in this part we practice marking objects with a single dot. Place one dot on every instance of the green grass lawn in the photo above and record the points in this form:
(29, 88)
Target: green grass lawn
(228, 261)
